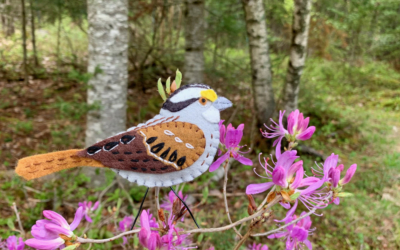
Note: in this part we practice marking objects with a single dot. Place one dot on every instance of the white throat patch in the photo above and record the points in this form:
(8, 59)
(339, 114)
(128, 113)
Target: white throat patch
(211, 115)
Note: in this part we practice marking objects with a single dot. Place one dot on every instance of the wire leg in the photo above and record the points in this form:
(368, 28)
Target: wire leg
(190, 212)
(140, 209)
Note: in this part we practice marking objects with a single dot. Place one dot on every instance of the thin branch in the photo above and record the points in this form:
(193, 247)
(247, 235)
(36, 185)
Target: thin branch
(226, 168)
(157, 197)
(263, 203)
(21, 228)
(224, 228)
(245, 237)
(83, 241)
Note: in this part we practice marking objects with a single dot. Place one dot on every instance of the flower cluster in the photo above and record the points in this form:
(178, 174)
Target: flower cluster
(87, 209)
(287, 179)
(230, 139)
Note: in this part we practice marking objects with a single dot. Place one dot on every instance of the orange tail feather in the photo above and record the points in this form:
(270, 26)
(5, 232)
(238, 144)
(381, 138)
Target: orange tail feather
(40, 165)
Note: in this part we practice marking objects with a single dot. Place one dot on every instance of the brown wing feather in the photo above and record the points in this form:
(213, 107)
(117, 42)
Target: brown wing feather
(125, 151)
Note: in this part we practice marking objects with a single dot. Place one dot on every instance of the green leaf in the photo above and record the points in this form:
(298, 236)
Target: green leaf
(295, 196)
(10, 224)
(118, 207)
(71, 247)
(161, 90)
(168, 87)
(178, 78)
(345, 194)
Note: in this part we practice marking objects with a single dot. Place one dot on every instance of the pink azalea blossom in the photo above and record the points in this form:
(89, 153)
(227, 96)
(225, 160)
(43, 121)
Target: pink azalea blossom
(47, 233)
(296, 234)
(152, 240)
(297, 129)
(13, 243)
(230, 139)
(256, 246)
(87, 209)
(332, 173)
(287, 179)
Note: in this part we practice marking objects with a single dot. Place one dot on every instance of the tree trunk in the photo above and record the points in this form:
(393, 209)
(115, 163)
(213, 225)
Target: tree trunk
(298, 51)
(194, 41)
(7, 18)
(24, 41)
(108, 62)
(33, 34)
(263, 94)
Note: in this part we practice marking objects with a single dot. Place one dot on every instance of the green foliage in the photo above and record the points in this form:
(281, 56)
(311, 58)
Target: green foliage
(73, 110)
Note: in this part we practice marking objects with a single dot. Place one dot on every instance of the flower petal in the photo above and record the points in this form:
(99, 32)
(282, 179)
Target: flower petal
(308, 181)
(286, 159)
(336, 200)
(305, 135)
(96, 205)
(59, 230)
(219, 161)
(243, 160)
(77, 219)
(349, 174)
(292, 121)
(45, 244)
(278, 147)
(308, 244)
(277, 235)
(293, 169)
(335, 176)
(41, 233)
(330, 162)
(57, 218)
(279, 176)
(258, 188)
(221, 132)
(88, 219)
(298, 179)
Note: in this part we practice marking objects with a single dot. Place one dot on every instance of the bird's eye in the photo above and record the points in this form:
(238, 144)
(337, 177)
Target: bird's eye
(203, 101)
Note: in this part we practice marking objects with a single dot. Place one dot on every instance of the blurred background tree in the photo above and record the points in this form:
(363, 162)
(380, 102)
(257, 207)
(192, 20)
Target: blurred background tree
(344, 75)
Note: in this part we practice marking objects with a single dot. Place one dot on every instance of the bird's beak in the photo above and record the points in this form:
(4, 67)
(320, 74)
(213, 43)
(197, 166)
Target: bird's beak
(222, 103)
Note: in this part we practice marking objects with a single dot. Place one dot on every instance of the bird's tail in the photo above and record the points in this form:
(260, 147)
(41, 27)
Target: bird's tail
(40, 165)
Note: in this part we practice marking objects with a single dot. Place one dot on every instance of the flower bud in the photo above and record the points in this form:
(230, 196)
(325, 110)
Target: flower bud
(161, 215)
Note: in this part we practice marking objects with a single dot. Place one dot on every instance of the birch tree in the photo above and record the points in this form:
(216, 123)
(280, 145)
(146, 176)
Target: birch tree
(108, 62)
(194, 41)
(263, 94)
(298, 51)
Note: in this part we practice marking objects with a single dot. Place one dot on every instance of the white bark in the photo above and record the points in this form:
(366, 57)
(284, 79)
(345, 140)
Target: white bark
(194, 41)
(264, 102)
(108, 62)
(298, 52)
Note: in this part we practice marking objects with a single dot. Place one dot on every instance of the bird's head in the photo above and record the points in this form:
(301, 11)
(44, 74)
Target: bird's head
(193, 100)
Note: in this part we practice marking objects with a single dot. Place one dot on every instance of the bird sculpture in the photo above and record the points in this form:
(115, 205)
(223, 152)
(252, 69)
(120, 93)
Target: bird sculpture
(176, 146)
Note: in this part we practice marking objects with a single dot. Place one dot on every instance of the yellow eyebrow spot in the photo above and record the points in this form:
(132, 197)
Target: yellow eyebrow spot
(209, 94)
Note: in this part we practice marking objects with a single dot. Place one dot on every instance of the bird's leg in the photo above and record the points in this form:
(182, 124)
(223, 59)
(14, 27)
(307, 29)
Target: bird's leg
(140, 209)
(190, 212)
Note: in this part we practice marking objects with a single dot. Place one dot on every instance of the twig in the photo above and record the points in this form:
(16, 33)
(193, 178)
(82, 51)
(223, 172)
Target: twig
(14, 207)
(226, 168)
(227, 227)
(263, 203)
(198, 230)
(245, 237)
(157, 197)
(83, 241)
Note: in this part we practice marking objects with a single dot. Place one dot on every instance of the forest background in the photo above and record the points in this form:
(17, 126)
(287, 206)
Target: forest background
(350, 88)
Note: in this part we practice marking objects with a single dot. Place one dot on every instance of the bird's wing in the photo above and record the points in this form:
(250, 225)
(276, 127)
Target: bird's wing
(155, 149)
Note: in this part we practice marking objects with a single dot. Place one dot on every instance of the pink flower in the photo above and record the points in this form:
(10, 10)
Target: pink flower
(47, 233)
(296, 234)
(13, 243)
(147, 238)
(287, 179)
(297, 129)
(231, 139)
(87, 209)
(331, 171)
(152, 240)
(257, 247)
